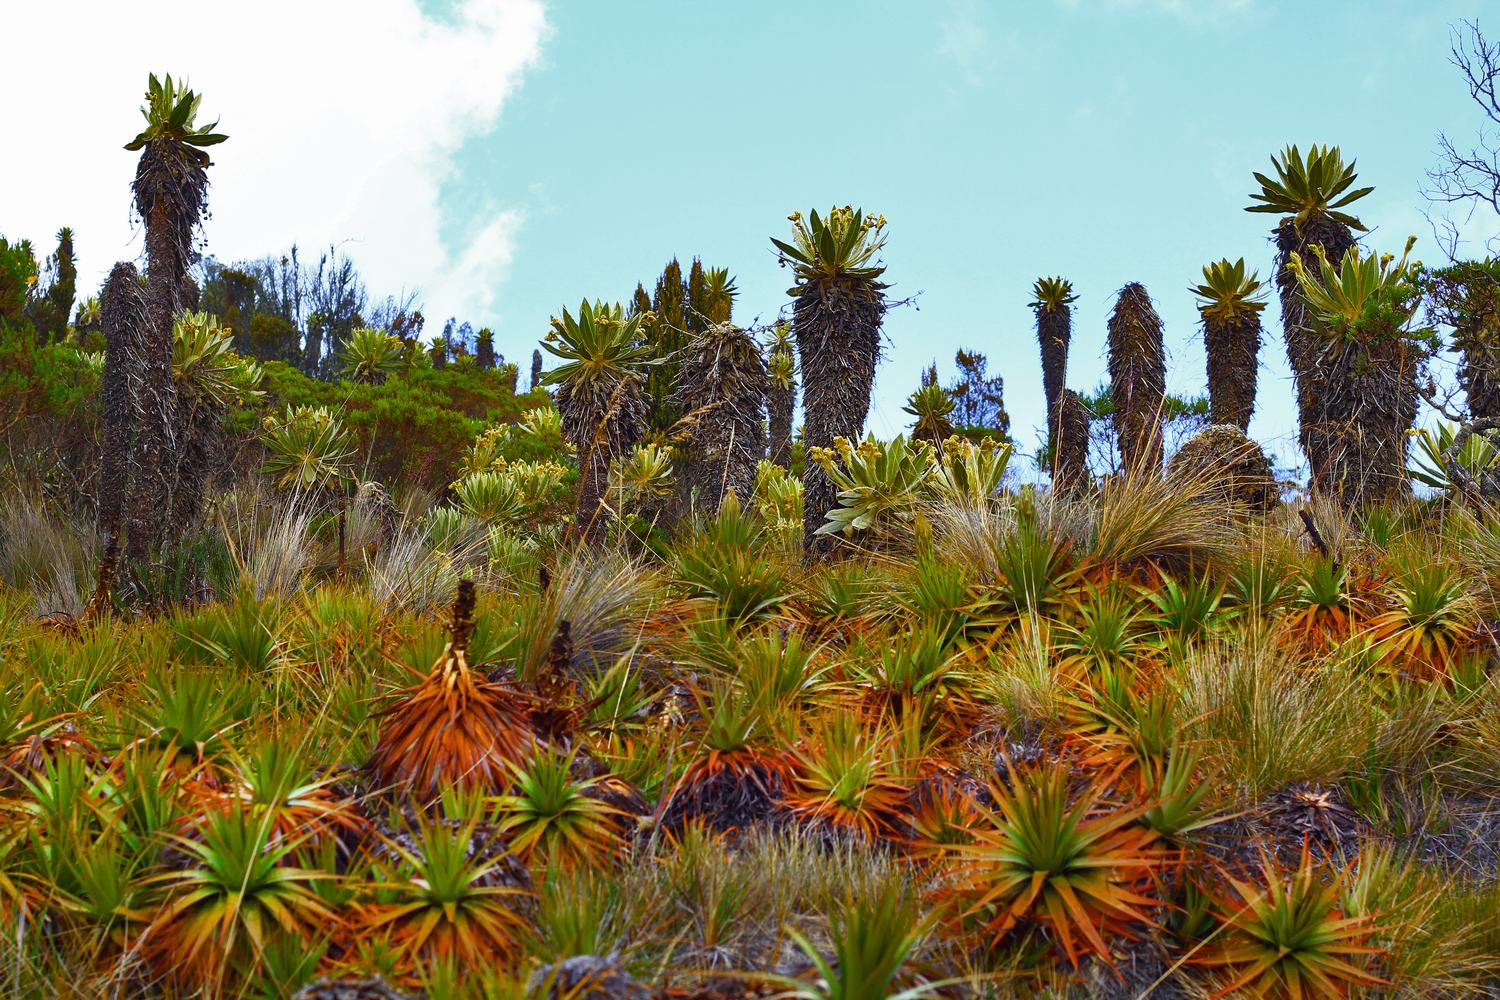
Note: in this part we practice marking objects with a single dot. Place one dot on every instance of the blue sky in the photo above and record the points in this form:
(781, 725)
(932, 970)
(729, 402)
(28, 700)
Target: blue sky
(1104, 141)
(509, 157)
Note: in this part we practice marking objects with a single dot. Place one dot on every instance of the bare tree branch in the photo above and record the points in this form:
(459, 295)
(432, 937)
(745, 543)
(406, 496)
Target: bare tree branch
(1482, 487)
(1466, 179)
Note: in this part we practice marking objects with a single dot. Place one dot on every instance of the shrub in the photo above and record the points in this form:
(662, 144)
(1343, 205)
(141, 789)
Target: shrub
(414, 427)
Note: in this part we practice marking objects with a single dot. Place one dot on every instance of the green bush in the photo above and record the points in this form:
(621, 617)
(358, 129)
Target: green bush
(411, 429)
(17, 276)
(44, 381)
(49, 411)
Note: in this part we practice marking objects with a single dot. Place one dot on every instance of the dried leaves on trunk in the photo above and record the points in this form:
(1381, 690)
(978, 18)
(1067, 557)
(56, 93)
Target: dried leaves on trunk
(171, 197)
(837, 326)
(124, 318)
(1479, 368)
(1357, 397)
(1054, 331)
(603, 418)
(1233, 348)
(1367, 401)
(1304, 344)
(1234, 466)
(722, 385)
(1138, 377)
(1070, 448)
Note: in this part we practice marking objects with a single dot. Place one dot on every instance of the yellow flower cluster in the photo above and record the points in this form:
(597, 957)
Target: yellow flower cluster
(960, 447)
(539, 476)
(306, 416)
(483, 455)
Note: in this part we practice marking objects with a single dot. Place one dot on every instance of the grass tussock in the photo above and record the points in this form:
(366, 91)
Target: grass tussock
(1084, 744)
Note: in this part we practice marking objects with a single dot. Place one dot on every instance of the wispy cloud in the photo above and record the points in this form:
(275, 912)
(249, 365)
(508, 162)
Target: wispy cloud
(344, 119)
(964, 38)
(1200, 11)
(1111, 102)
(474, 272)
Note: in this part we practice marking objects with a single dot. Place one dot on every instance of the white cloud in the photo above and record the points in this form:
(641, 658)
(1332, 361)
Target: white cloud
(343, 116)
(471, 275)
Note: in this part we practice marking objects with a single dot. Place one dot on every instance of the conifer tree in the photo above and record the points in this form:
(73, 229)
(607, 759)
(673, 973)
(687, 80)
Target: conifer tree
(50, 307)
(697, 297)
(484, 349)
(978, 397)
(664, 328)
(640, 303)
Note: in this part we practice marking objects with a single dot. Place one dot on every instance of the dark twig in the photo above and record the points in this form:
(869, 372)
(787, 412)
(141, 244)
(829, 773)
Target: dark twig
(1314, 533)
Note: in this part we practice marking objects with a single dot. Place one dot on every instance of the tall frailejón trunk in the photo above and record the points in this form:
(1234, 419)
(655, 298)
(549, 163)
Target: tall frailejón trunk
(837, 326)
(153, 455)
(1054, 331)
(1368, 402)
(722, 385)
(1233, 350)
(603, 425)
(1070, 447)
(1312, 363)
(1138, 379)
(125, 320)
